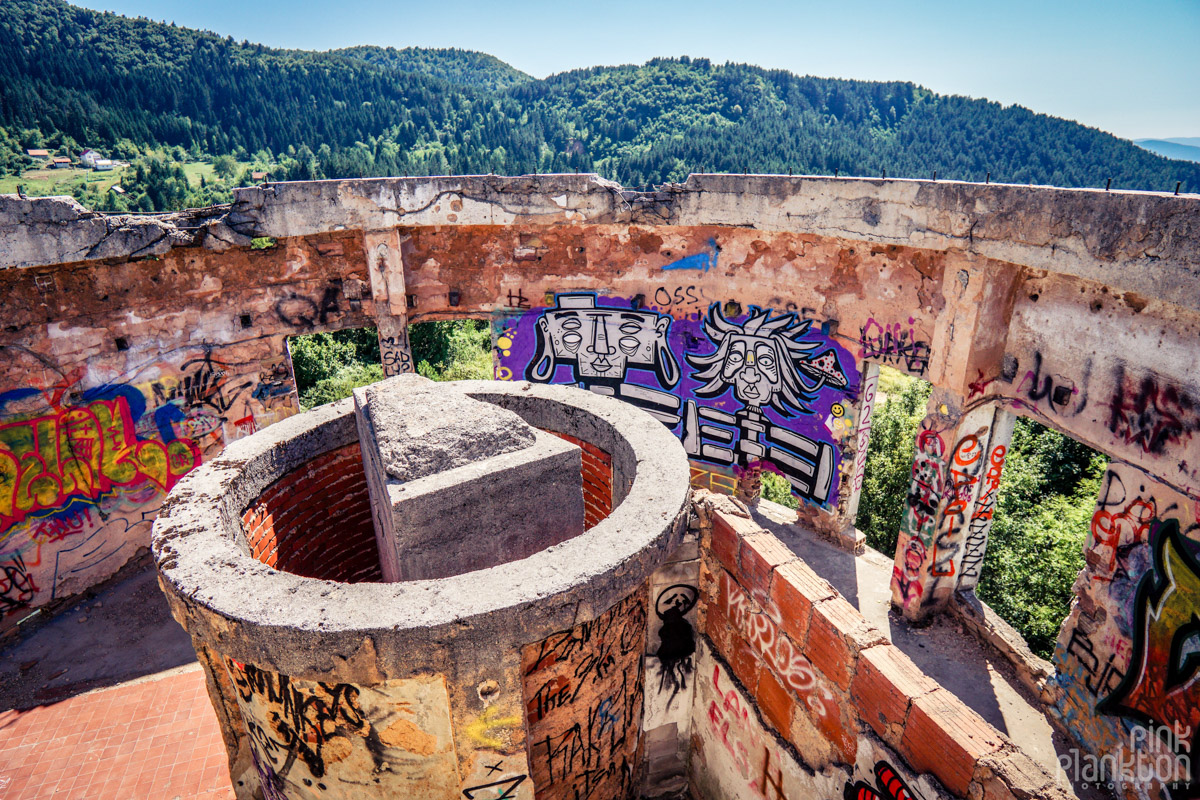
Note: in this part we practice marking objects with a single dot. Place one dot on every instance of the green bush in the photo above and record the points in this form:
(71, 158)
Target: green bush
(453, 350)
(776, 489)
(1035, 548)
(321, 356)
(341, 384)
(889, 464)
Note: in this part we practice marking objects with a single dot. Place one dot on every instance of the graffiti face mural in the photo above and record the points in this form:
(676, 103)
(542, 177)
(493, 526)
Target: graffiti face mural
(765, 362)
(760, 385)
(601, 346)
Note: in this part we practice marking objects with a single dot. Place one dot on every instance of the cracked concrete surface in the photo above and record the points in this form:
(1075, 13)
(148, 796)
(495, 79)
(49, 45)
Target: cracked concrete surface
(1109, 237)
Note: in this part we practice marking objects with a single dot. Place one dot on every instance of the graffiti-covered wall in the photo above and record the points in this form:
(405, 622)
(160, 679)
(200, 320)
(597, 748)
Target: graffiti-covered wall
(1126, 664)
(117, 379)
(740, 388)
(746, 313)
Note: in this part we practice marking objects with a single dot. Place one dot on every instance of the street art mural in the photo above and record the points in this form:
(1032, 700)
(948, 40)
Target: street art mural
(742, 389)
(84, 469)
(1161, 687)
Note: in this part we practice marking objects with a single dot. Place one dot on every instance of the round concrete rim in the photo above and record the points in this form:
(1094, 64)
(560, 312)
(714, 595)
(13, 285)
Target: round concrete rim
(203, 561)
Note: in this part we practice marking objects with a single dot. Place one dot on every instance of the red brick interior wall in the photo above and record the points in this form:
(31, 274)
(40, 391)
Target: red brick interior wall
(316, 521)
(801, 650)
(597, 481)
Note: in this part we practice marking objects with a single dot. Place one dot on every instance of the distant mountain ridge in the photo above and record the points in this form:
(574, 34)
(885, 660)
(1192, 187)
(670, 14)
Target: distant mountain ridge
(72, 77)
(1183, 148)
(460, 67)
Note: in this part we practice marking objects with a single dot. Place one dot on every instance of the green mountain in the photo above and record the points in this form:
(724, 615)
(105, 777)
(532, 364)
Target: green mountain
(460, 67)
(1171, 149)
(70, 78)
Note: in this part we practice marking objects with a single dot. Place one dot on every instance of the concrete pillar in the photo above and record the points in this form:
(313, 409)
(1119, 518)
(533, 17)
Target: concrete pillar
(386, 267)
(851, 433)
(975, 545)
(949, 476)
(394, 348)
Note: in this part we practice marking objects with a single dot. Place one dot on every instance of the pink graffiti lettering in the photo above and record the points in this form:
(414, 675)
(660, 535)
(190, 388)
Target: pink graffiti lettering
(720, 716)
(765, 636)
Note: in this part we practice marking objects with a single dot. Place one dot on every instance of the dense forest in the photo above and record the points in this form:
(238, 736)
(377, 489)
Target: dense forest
(150, 92)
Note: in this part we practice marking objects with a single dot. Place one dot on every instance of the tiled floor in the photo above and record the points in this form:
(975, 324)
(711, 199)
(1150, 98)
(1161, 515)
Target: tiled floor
(155, 739)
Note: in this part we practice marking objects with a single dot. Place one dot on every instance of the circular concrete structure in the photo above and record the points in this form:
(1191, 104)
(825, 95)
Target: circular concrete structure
(384, 687)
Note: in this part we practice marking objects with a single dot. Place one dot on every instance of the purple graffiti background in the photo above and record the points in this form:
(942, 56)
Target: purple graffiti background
(529, 344)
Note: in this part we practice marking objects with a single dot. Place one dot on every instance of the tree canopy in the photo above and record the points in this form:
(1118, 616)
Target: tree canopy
(72, 77)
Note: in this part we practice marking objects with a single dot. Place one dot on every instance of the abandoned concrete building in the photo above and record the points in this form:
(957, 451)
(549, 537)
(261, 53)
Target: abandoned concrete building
(520, 589)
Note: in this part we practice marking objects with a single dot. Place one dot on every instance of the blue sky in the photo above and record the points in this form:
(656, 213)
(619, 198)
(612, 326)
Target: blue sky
(1131, 68)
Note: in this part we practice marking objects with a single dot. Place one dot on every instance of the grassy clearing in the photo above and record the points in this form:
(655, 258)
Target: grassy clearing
(195, 169)
(48, 182)
(45, 182)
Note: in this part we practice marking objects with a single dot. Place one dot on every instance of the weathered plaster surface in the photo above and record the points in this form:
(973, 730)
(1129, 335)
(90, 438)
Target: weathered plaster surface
(151, 343)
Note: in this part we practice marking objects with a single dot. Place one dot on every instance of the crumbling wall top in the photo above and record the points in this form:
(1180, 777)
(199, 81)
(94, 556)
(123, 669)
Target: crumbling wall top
(1147, 242)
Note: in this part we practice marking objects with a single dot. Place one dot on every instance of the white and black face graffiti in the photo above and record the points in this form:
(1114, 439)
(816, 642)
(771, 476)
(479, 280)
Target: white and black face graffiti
(751, 366)
(602, 343)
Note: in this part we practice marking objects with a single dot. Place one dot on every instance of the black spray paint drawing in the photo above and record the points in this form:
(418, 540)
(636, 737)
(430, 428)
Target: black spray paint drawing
(676, 639)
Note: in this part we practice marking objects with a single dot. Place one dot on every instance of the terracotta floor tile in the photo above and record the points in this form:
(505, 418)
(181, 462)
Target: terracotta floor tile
(156, 739)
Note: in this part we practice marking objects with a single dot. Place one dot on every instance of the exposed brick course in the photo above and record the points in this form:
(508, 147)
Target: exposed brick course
(776, 702)
(944, 737)
(758, 556)
(597, 475)
(328, 534)
(821, 674)
(885, 683)
(794, 590)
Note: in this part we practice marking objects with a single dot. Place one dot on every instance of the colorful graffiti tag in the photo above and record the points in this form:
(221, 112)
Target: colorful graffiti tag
(888, 784)
(72, 468)
(82, 452)
(759, 386)
(1162, 684)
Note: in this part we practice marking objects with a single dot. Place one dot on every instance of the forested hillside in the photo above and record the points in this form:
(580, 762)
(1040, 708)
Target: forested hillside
(72, 78)
(463, 67)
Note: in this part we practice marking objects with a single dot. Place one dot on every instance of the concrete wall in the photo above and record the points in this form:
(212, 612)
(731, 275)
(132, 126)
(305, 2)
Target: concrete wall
(125, 344)
(118, 377)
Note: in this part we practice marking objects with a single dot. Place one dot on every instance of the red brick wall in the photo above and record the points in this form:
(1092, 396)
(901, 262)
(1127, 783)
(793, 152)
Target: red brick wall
(801, 650)
(316, 521)
(597, 481)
